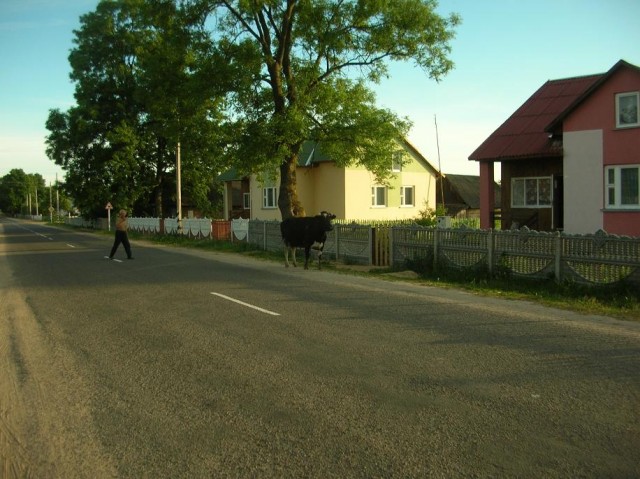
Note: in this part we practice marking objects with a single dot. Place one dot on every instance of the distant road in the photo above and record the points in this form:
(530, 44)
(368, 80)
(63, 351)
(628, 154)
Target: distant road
(185, 363)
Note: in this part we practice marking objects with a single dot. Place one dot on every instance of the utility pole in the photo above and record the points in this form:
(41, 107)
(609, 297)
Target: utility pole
(57, 198)
(50, 204)
(435, 120)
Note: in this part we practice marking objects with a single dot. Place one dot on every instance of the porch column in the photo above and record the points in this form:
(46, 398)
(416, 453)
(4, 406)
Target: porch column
(487, 197)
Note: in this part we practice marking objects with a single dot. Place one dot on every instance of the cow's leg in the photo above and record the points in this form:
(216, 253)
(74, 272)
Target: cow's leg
(307, 251)
(320, 249)
(286, 256)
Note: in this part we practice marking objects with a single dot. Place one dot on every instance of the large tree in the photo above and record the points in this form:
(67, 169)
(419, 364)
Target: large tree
(308, 64)
(138, 68)
(24, 193)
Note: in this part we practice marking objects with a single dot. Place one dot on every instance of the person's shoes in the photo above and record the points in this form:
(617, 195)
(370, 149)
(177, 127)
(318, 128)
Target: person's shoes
(131, 257)
(110, 257)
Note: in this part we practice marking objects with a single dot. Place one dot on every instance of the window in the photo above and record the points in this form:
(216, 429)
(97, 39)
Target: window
(378, 196)
(406, 196)
(622, 187)
(396, 162)
(627, 108)
(269, 197)
(246, 201)
(531, 192)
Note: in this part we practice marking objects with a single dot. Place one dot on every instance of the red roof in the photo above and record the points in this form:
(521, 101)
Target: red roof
(524, 133)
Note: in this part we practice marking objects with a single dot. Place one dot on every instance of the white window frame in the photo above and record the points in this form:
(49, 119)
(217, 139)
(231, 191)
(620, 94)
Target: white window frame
(269, 201)
(634, 105)
(528, 182)
(246, 201)
(403, 196)
(613, 188)
(374, 196)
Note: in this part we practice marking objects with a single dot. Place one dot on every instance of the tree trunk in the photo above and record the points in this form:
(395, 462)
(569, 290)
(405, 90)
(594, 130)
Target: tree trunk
(288, 202)
(158, 200)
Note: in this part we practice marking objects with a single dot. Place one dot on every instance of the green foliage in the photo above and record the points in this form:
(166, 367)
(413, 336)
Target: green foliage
(306, 69)
(142, 73)
(235, 83)
(19, 190)
(13, 191)
(621, 299)
(429, 216)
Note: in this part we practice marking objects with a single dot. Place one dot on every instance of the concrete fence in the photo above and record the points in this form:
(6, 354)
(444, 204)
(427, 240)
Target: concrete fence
(598, 258)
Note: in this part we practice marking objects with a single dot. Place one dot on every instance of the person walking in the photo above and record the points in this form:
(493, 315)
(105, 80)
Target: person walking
(121, 235)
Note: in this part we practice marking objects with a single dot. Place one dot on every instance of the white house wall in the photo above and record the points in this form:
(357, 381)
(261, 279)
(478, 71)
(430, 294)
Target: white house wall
(583, 181)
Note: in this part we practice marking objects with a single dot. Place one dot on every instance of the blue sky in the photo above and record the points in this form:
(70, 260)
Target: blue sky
(504, 51)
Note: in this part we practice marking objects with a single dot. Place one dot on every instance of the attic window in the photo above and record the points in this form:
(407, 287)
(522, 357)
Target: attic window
(396, 162)
(627, 110)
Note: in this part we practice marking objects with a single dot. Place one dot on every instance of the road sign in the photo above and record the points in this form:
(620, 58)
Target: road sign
(108, 208)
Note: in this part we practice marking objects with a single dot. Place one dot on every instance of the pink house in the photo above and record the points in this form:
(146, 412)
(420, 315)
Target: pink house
(570, 157)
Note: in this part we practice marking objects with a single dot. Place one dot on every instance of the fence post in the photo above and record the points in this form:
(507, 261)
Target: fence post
(490, 246)
(264, 235)
(337, 241)
(391, 247)
(371, 247)
(558, 257)
(436, 237)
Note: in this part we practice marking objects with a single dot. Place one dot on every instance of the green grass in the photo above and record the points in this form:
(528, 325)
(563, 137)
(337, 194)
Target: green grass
(621, 301)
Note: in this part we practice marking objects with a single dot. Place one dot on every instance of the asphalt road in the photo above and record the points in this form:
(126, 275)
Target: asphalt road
(184, 363)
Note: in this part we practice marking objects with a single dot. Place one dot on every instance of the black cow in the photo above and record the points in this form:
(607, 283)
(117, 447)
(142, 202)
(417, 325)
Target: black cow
(304, 232)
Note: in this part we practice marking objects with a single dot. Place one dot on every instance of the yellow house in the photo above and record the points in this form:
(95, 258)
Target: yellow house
(350, 193)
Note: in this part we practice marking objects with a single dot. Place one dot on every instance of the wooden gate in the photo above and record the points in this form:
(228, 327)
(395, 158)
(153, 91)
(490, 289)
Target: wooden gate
(381, 245)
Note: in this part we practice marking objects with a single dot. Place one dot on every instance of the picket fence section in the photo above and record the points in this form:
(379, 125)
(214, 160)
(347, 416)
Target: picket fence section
(598, 258)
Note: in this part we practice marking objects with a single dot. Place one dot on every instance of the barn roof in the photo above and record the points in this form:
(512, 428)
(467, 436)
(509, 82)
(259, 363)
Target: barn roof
(468, 188)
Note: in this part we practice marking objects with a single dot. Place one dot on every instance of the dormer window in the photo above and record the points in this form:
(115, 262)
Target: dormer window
(627, 109)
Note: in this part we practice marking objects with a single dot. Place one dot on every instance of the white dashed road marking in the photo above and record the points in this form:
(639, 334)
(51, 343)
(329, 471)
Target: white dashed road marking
(246, 304)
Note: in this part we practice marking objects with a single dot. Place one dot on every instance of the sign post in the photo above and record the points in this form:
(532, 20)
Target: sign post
(108, 208)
